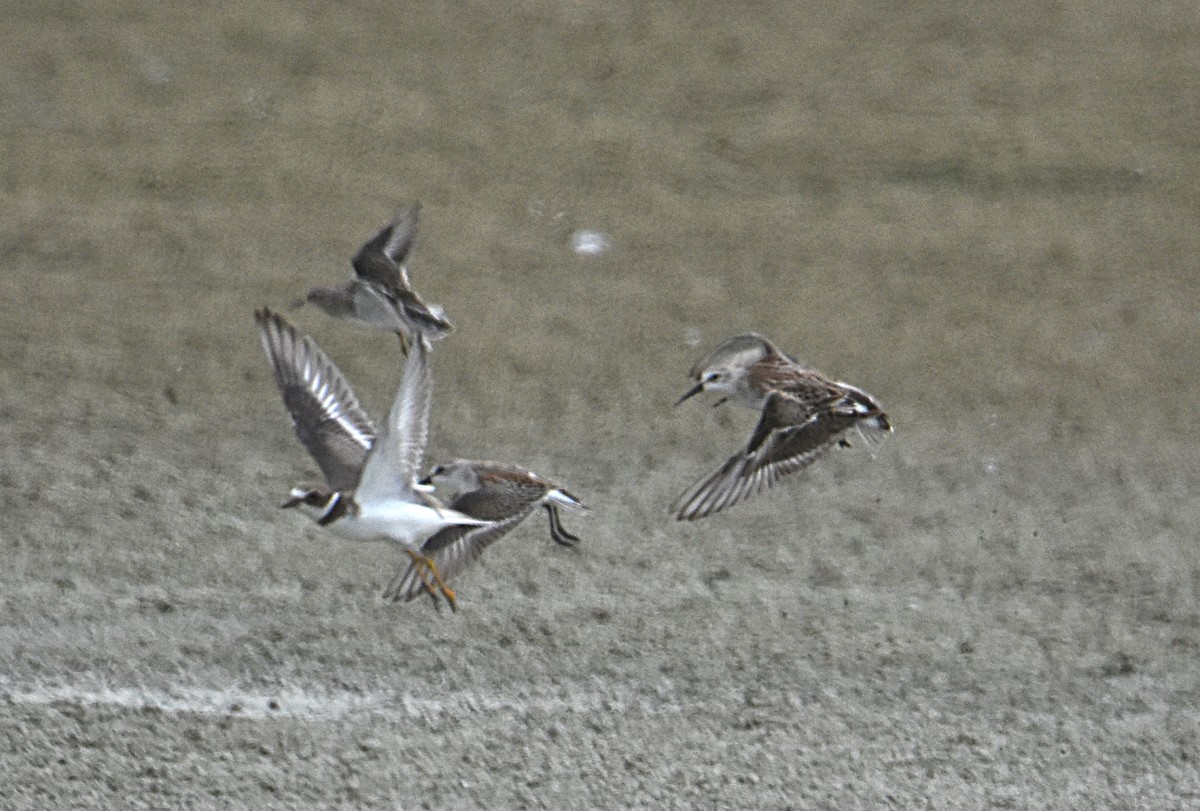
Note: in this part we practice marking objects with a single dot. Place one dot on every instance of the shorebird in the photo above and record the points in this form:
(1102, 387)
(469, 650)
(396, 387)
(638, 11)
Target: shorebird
(804, 414)
(370, 490)
(491, 491)
(379, 294)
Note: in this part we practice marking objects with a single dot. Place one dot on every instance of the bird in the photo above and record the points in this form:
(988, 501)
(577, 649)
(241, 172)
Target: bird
(370, 490)
(803, 414)
(491, 491)
(379, 293)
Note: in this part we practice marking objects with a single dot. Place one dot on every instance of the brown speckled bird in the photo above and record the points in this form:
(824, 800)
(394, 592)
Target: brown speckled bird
(489, 491)
(380, 293)
(804, 414)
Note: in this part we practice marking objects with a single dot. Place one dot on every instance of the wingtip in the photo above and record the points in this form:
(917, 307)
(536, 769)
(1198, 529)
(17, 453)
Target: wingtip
(264, 316)
(688, 512)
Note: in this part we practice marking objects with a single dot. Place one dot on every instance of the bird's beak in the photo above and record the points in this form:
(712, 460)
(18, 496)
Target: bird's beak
(692, 392)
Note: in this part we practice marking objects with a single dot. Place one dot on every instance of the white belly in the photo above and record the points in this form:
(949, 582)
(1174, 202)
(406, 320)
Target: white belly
(400, 521)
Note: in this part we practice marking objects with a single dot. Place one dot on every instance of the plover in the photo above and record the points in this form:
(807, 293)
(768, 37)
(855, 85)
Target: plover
(370, 490)
(804, 414)
(380, 294)
(490, 491)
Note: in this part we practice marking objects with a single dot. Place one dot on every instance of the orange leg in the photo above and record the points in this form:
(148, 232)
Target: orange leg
(428, 572)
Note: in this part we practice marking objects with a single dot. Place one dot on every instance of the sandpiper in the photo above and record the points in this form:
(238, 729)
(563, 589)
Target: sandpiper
(804, 414)
(370, 490)
(490, 491)
(380, 294)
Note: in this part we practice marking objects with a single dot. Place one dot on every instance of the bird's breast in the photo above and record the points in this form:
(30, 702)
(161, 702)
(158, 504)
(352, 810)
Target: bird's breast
(402, 521)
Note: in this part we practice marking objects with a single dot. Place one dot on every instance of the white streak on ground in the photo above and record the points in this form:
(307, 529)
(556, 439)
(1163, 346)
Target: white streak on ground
(317, 704)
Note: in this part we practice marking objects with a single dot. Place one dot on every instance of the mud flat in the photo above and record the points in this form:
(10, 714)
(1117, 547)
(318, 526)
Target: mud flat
(982, 218)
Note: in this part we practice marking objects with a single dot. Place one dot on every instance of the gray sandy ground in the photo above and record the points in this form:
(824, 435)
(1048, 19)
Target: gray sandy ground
(985, 216)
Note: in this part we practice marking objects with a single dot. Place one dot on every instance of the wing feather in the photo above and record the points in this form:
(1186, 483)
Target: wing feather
(325, 414)
(380, 258)
(789, 437)
(391, 467)
(453, 550)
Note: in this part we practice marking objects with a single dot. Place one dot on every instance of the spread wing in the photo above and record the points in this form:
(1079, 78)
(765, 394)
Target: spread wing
(789, 436)
(453, 549)
(325, 414)
(380, 274)
(391, 467)
(380, 258)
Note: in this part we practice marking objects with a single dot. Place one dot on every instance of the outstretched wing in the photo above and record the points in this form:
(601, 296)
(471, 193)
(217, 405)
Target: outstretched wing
(785, 440)
(391, 467)
(453, 549)
(325, 414)
(380, 258)
(383, 284)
